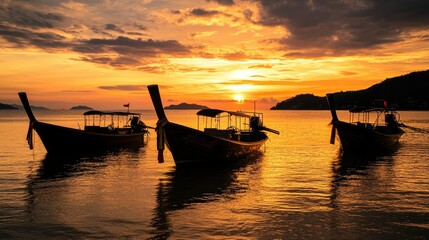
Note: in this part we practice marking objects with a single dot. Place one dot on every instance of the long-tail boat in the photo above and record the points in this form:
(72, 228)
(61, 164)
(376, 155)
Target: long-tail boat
(102, 131)
(368, 128)
(212, 144)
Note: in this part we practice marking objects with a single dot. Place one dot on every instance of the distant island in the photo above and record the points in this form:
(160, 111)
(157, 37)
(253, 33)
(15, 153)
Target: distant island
(16, 106)
(406, 92)
(185, 106)
(7, 106)
(81, 107)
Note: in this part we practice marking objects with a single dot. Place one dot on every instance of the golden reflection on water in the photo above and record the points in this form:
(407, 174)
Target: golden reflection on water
(299, 187)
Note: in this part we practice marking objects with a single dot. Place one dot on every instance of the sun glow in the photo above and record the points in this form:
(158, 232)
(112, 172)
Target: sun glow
(241, 87)
(243, 74)
(239, 98)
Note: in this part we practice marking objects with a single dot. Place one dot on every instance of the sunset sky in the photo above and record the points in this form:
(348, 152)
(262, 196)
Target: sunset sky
(103, 53)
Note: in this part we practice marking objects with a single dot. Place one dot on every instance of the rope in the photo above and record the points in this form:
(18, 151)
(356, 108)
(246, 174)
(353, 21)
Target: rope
(160, 137)
(30, 136)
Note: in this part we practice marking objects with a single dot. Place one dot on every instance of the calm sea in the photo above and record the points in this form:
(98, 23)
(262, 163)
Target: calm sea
(300, 187)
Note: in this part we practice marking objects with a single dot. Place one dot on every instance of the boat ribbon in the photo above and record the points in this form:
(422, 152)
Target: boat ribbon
(160, 138)
(30, 135)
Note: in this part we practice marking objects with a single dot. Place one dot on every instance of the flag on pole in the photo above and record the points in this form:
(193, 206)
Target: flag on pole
(127, 106)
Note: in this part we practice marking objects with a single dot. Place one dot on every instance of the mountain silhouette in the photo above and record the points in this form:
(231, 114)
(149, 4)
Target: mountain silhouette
(186, 106)
(406, 92)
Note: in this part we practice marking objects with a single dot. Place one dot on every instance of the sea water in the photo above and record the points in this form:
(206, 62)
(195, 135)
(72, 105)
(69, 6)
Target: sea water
(299, 187)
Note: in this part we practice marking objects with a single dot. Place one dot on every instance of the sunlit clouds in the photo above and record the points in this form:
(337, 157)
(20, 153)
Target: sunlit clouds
(213, 52)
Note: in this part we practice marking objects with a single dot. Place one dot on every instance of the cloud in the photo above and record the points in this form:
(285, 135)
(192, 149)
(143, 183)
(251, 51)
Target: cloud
(335, 27)
(131, 87)
(140, 27)
(76, 91)
(22, 17)
(261, 82)
(347, 73)
(261, 66)
(200, 12)
(240, 55)
(128, 46)
(113, 27)
(124, 87)
(223, 2)
(124, 52)
(23, 38)
(268, 100)
(108, 44)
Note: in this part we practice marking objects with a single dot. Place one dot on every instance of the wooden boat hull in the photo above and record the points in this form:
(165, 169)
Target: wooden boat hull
(58, 139)
(189, 145)
(358, 138)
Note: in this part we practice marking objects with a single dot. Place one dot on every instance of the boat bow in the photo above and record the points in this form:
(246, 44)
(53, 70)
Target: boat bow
(162, 120)
(331, 103)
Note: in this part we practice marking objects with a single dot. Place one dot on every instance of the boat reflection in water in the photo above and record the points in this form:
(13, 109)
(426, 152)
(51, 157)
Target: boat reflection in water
(57, 165)
(368, 197)
(62, 188)
(185, 188)
(359, 166)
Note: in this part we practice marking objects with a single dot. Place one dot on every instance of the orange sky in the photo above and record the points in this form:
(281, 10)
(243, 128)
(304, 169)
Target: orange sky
(103, 53)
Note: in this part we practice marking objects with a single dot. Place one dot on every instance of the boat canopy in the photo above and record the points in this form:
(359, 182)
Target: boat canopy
(369, 109)
(210, 112)
(96, 112)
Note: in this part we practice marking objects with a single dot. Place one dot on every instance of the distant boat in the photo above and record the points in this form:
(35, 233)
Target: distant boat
(368, 128)
(102, 130)
(213, 144)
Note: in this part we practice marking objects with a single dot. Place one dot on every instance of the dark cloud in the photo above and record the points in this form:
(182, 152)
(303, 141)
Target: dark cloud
(140, 27)
(223, 2)
(136, 33)
(122, 62)
(23, 28)
(113, 27)
(200, 12)
(100, 32)
(124, 87)
(268, 100)
(332, 27)
(90, 49)
(128, 46)
(128, 53)
(23, 38)
(22, 17)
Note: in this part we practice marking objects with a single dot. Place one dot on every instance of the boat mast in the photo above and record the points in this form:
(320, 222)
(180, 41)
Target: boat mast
(254, 107)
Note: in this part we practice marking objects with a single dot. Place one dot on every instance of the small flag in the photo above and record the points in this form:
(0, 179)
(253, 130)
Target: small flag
(385, 103)
(127, 105)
